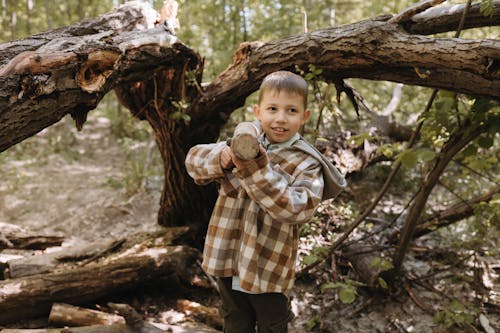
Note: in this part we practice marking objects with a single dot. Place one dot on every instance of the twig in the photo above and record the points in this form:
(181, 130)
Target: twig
(360, 308)
(487, 177)
(415, 299)
(411, 11)
(115, 245)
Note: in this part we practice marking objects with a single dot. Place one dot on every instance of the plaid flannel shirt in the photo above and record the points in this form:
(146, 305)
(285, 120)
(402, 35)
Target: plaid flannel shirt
(254, 229)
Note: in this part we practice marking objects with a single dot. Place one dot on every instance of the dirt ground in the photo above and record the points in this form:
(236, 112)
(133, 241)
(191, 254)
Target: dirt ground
(75, 184)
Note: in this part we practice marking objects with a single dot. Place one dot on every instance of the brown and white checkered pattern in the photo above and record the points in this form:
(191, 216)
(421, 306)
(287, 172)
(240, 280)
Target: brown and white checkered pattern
(254, 229)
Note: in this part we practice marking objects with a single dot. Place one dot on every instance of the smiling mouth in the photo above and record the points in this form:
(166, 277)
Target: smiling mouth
(279, 129)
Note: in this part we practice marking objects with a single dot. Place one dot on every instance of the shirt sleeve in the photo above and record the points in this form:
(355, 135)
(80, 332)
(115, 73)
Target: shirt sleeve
(203, 163)
(286, 198)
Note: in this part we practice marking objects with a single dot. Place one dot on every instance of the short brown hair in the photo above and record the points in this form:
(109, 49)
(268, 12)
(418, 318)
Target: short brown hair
(286, 81)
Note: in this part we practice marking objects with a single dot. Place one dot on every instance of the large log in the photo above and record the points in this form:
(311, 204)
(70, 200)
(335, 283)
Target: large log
(145, 262)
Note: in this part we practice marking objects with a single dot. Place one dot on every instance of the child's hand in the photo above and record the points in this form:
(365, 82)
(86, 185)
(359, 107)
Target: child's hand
(226, 161)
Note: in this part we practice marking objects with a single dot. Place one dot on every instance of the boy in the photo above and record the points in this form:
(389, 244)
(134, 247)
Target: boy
(252, 239)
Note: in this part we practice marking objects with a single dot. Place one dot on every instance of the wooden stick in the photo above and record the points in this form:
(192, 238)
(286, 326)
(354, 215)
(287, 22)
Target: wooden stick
(63, 314)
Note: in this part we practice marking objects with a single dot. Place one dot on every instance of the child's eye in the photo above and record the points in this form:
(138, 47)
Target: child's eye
(272, 108)
(292, 110)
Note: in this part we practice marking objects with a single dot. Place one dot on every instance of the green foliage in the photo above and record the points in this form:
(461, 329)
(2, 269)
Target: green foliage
(347, 291)
(358, 139)
(456, 315)
(389, 149)
(410, 157)
(382, 264)
(317, 253)
(312, 323)
(486, 7)
(181, 111)
(313, 74)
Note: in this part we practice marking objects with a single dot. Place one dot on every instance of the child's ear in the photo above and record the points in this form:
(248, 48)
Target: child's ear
(307, 114)
(256, 111)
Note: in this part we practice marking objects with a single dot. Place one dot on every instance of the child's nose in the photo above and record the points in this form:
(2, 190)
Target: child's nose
(281, 116)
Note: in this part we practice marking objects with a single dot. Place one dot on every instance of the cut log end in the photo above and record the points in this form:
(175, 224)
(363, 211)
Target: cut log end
(245, 146)
(245, 143)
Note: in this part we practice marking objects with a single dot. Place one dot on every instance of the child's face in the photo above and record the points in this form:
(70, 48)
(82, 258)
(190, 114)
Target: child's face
(281, 115)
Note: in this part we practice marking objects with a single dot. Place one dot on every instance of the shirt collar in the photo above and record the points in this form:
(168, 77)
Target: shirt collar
(272, 146)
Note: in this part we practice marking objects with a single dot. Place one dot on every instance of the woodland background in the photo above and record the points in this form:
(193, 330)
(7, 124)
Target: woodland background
(105, 180)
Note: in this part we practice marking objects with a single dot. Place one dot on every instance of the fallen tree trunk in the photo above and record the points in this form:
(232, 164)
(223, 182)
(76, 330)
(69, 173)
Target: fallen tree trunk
(39, 264)
(145, 262)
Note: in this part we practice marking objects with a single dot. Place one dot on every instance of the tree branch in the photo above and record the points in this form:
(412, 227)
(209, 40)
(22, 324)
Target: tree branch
(453, 214)
(446, 18)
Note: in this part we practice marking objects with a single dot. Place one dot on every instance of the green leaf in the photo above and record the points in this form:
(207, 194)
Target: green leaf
(347, 295)
(375, 262)
(486, 7)
(470, 150)
(360, 138)
(409, 159)
(425, 154)
(330, 285)
(312, 323)
(310, 259)
(485, 142)
(456, 306)
(382, 283)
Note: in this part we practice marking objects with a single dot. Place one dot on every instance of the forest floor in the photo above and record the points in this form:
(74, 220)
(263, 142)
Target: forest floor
(85, 186)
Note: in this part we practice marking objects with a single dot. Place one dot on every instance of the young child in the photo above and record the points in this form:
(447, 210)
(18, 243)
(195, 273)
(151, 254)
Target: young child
(252, 239)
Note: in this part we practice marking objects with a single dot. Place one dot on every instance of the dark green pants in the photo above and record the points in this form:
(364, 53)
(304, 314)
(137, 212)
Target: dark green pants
(242, 312)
